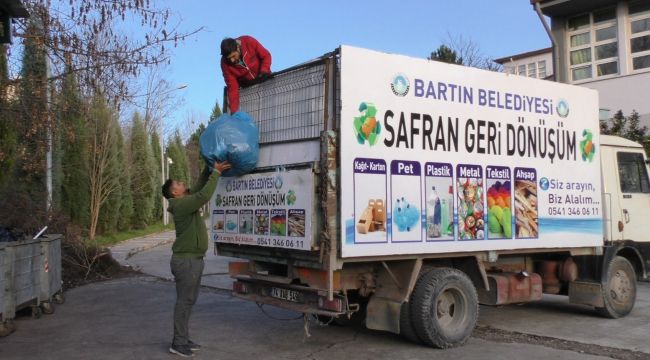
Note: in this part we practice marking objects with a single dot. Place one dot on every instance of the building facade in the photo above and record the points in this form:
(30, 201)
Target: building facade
(603, 45)
(537, 64)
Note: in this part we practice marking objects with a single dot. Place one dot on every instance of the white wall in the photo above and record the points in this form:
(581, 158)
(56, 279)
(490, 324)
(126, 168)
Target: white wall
(627, 93)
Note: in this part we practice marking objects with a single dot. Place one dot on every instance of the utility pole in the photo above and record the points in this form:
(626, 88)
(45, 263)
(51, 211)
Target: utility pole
(163, 160)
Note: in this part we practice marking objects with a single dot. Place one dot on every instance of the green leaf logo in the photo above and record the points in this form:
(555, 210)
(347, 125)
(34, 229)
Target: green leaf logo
(366, 126)
(587, 146)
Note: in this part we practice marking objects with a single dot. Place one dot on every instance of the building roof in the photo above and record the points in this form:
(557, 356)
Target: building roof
(562, 8)
(509, 58)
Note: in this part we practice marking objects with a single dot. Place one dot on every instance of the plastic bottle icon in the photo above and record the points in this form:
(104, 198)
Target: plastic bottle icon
(444, 216)
(434, 214)
(449, 227)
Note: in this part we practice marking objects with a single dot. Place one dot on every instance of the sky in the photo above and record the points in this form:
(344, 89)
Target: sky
(295, 31)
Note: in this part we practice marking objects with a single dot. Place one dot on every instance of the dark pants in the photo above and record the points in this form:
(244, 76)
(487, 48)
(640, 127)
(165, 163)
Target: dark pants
(187, 274)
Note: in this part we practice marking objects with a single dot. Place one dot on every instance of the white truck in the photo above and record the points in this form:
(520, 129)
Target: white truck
(408, 191)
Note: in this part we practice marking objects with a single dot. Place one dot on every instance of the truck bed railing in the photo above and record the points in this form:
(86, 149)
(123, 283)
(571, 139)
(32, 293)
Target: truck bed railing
(293, 105)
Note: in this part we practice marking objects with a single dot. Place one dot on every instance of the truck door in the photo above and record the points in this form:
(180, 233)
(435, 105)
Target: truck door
(635, 198)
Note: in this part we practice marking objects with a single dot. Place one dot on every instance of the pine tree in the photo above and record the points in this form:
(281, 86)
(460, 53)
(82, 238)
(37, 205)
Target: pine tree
(618, 124)
(58, 138)
(8, 139)
(126, 210)
(142, 180)
(634, 131)
(446, 54)
(193, 151)
(109, 214)
(179, 169)
(23, 194)
(216, 112)
(628, 127)
(156, 150)
(34, 121)
(75, 148)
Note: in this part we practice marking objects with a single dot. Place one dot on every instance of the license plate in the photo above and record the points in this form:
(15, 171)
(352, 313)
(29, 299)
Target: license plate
(285, 294)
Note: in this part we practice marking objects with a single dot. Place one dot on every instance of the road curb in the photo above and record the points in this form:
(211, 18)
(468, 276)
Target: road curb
(134, 251)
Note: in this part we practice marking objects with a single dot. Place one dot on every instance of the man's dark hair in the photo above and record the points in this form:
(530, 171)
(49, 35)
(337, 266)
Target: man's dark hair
(228, 45)
(167, 189)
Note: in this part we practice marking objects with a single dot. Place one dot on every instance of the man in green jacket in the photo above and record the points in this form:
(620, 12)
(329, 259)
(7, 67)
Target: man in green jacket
(189, 249)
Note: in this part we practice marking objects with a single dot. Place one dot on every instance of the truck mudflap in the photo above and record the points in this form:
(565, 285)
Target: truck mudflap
(291, 297)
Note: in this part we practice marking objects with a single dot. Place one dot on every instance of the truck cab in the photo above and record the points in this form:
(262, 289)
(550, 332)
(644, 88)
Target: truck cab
(626, 199)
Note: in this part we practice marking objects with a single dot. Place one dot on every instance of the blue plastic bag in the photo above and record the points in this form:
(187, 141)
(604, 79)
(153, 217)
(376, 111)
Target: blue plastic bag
(405, 215)
(234, 138)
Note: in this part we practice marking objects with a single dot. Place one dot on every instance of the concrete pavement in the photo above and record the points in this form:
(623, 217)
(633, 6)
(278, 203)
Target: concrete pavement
(122, 252)
(150, 255)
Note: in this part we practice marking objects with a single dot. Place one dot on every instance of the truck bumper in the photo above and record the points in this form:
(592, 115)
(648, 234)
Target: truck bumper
(291, 297)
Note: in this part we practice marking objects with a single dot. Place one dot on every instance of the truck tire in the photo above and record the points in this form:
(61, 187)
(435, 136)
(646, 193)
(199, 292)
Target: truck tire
(406, 329)
(444, 310)
(619, 289)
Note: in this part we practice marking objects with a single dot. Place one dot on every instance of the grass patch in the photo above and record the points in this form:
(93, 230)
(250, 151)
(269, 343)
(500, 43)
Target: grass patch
(108, 240)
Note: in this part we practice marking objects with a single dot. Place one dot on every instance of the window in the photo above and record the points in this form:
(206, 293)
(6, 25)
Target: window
(541, 69)
(535, 69)
(521, 70)
(532, 70)
(632, 173)
(593, 44)
(639, 12)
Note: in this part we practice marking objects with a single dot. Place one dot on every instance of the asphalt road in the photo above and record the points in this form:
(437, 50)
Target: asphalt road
(130, 318)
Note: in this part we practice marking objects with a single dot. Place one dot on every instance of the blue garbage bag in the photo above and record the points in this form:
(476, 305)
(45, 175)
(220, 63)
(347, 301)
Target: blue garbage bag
(234, 138)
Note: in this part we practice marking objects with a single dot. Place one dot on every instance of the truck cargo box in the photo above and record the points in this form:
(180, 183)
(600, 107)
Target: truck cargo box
(431, 158)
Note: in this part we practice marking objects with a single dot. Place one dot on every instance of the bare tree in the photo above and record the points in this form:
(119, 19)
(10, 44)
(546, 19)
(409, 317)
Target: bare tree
(87, 36)
(160, 100)
(104, 176)
(470, 53)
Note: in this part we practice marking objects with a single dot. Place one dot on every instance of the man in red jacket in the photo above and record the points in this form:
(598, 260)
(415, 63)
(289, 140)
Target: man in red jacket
(244, 61)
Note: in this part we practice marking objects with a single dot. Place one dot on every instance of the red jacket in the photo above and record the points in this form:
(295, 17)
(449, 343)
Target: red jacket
(257, 60)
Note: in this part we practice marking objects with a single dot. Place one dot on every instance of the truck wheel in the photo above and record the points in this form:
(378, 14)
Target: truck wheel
(619, 289)
(406, 329)
(445, 307)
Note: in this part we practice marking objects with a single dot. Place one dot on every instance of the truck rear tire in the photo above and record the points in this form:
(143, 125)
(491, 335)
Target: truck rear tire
(406, 329)
(444, 310)
(619, 289)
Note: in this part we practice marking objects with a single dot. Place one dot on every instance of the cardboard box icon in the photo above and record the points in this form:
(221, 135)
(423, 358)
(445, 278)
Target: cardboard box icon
(373, 217)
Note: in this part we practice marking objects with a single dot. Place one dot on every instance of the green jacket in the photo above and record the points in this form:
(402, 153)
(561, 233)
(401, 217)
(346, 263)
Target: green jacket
(191, 233)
